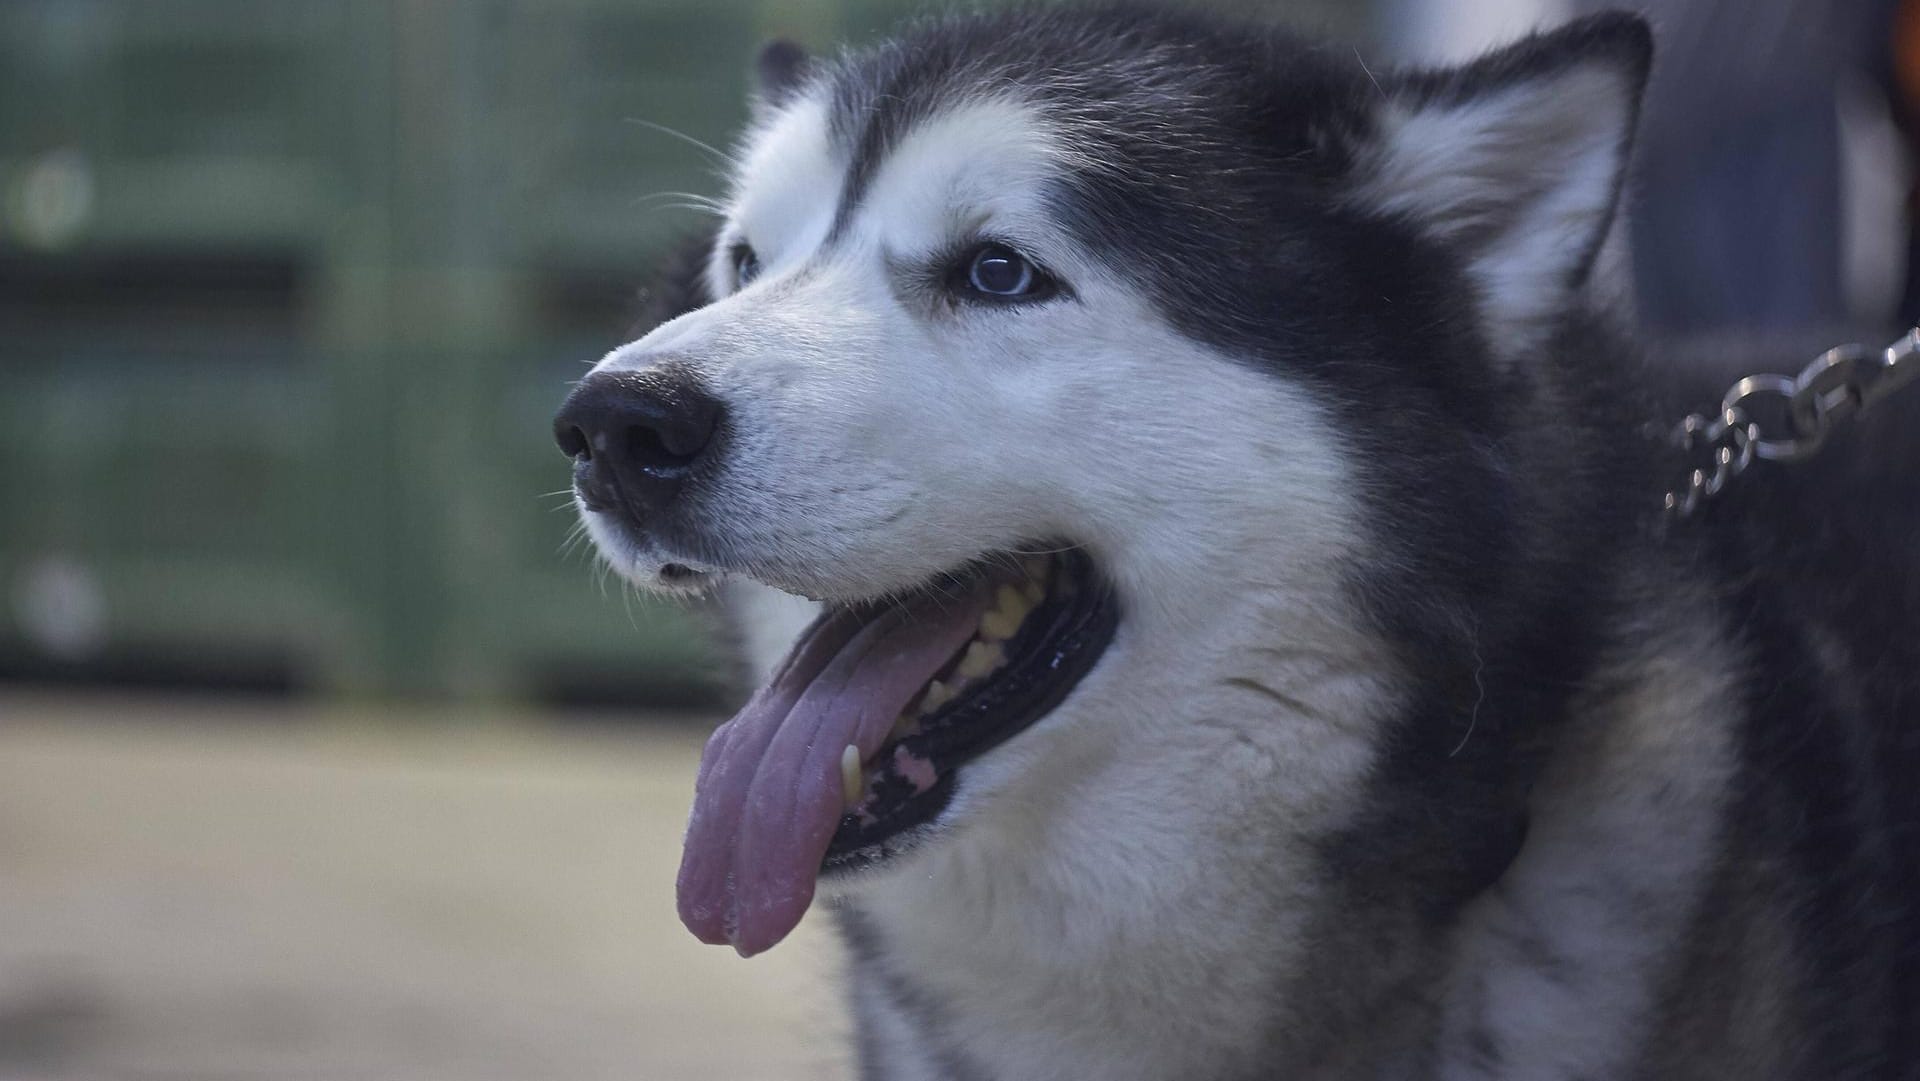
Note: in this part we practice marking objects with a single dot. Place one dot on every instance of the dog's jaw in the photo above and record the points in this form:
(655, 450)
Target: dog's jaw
(1088, 854)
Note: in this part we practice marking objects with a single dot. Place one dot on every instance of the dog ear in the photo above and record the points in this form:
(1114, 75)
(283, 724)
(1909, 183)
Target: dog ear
(1516, 160)
(780, 71)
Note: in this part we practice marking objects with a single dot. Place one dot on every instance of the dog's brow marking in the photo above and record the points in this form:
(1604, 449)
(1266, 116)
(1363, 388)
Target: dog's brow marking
(876, 137)
(948, 165)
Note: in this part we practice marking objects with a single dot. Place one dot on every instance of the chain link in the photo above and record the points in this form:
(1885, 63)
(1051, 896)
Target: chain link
(1785, 419)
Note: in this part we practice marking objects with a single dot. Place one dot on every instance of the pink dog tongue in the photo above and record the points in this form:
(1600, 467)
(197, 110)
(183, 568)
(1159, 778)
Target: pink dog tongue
(768, 798)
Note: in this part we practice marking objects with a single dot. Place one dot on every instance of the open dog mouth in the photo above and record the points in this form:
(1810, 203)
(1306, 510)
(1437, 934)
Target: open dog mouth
(859, 736)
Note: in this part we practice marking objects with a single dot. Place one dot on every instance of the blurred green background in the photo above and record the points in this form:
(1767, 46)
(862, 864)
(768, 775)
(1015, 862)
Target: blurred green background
(288, 291)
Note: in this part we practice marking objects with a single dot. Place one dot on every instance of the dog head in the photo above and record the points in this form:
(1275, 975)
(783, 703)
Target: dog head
(1079, 360)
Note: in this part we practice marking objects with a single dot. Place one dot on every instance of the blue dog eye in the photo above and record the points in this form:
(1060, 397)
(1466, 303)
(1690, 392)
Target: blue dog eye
(999, 271)
(746, 265)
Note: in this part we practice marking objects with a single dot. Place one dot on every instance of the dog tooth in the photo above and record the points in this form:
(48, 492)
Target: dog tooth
(981, 658)
(998, 626)
(1034, 592)
(938, 694)
(1009, 608)
(853, 786)
(1011, 600)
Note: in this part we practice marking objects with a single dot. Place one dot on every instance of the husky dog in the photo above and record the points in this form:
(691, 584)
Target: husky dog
(1249, 641)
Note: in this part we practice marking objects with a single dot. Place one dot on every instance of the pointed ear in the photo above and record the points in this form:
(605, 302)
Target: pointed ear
(780, 71)
(1516, 160)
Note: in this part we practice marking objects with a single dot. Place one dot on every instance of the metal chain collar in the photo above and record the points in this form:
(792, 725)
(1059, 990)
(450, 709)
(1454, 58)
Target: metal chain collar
(1783, 418)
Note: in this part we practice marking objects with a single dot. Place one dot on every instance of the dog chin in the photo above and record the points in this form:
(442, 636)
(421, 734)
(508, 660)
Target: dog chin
(643, 563)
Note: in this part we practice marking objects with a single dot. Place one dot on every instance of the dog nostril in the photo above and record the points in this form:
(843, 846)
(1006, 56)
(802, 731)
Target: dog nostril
(573, 443)
(653, 447)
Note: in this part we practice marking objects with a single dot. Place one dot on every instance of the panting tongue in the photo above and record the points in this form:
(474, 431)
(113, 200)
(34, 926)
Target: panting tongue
(769, 795)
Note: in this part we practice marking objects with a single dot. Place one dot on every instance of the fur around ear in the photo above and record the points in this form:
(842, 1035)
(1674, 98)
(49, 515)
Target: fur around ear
(1517, 161)
(779, 72)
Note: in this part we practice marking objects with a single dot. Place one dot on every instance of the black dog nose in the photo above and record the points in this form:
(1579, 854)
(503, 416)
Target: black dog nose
(636, 436)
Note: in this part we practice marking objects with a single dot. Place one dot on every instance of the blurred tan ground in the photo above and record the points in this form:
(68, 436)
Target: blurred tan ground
(213, 891)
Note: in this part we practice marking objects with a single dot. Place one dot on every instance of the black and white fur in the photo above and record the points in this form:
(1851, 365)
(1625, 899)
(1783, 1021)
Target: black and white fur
(1424, 748)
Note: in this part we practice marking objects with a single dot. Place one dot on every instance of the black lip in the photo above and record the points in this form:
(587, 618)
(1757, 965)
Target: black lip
(1046, 661)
